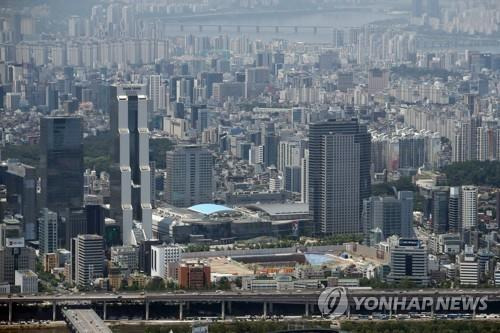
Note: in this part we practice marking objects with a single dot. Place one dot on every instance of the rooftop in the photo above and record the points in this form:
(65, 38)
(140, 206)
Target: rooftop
(209, 209)
(282, 209)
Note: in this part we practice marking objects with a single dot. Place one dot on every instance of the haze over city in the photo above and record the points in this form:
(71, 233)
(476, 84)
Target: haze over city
(249, 166)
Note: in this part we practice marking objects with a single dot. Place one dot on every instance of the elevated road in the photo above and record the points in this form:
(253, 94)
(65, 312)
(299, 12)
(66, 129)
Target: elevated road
(295, 296)
(308, 298)
(84, 321)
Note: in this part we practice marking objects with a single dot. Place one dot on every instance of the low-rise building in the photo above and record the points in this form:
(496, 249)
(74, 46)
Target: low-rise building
(194, 276)
(125, 256)
(162, 256)
(409, 262)
(468, 264)
(27, 281)
(497, 276)
(49, 262)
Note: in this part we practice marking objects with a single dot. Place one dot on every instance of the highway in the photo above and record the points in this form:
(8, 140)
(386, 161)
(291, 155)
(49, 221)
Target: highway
(294, 297)
(306, 298)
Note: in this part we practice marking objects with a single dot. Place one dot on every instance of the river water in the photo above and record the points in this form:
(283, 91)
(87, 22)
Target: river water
(334, 19)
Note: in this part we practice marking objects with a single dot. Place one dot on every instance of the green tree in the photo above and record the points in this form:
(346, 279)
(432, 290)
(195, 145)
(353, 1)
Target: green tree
(156, 284)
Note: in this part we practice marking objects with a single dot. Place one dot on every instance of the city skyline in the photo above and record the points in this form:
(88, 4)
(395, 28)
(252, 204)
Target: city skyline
(270, 165)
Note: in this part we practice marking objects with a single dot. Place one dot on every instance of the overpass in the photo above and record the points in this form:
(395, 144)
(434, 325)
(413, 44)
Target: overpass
(306, 298)
(84, 321)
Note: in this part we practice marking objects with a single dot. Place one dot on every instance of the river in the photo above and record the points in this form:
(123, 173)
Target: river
(335, 19)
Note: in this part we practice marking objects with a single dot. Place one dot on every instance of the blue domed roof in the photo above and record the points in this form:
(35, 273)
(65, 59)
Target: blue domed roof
(208, 209)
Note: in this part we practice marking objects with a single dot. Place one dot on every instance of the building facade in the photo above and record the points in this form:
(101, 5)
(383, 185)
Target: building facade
(131, 174)
(189, 179)
(339, 175)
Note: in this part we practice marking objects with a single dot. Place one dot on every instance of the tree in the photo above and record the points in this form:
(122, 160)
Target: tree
(156, 284)
(223, 284)
(479, 173)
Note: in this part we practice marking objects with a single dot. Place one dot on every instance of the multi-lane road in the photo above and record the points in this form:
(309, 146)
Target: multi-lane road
(288, 296)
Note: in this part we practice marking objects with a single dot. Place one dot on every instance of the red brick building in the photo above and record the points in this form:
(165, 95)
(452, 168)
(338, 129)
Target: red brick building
(194, 276)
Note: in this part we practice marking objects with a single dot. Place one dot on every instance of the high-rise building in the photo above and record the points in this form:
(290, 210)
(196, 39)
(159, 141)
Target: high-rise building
(289, 154)
(89, 257)
(344, 81)
(11, 232)
(339, 175)
(454, 210)
(468, 204)
(161, 257)
(432, 8)
(304, 178)
(61, 162)
(47, 231)
(338, 38)
(292, 178)
(189, 178)
(409, 262)
(378, 80)
(256, 80)
(392, 216)
(95, 219)
(145, 255)
(271, 142)
(75, 223)
(406, 199)
(411, 152)
(154, 92)
(16, 257)
(20, 180)
(417, 8)
(130, 173)
(440, 211)
(208, 79)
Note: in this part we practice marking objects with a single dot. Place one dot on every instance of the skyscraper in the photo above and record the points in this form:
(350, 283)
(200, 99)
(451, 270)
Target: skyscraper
(47, 231)
(271, 142)
(154, 91)
(339, 175)
(417, 8)
(75, 224)
(131, 174)
(378, 80)
(89, 259)
(61, 162)
(392, 216)
(406, 199)
(20, 180)
(469, 207)
(454, 210)
(189, 176)
(256, 81)
(433, 9)
(440, 206)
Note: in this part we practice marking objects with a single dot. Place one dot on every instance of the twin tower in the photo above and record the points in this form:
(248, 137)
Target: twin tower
(130, 176)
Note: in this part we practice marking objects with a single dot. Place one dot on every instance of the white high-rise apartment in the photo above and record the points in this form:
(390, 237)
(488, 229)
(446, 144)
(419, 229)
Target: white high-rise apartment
(469, 207)
(154, 91)
(304, 188)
